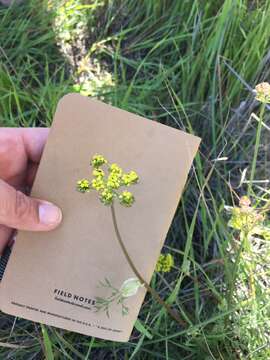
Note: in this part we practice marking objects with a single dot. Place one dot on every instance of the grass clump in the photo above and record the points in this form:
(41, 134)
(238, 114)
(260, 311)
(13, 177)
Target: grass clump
(190, 65)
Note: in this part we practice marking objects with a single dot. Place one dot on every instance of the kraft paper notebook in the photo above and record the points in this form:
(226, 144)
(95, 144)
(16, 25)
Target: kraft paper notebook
(54, 277)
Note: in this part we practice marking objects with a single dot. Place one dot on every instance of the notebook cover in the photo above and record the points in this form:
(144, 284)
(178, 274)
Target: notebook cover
(53, 277)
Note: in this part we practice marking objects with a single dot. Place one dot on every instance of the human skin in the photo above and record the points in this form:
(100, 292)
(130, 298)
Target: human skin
(20, 153)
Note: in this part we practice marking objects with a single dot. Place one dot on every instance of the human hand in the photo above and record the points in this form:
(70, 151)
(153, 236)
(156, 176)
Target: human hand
(20, 152)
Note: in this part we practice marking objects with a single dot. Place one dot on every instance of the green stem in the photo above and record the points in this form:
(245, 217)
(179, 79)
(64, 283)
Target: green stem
(257, 144)
(140, 277)
(234, 274)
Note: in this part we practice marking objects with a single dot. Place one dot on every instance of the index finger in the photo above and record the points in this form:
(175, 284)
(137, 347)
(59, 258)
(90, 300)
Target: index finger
(34, 140)
(21, 144)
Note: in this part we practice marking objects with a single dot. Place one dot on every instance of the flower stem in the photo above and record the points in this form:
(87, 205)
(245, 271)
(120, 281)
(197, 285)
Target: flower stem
(140, 277)
(257, 144)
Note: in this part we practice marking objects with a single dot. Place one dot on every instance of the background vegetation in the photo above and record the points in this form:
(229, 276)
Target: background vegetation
(191, 65)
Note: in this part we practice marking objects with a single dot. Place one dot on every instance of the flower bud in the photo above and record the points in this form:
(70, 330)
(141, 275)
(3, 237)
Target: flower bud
(262, 91)
(244, 201)
(130, 287)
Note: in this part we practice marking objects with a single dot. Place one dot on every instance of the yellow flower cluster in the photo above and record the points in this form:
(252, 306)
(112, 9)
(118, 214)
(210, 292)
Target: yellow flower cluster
(130, 178)
(114, 181)
(98, 173)
(245, 217)
(106, 196)
(262, 91)
(115, 169)
(98, 160)
(83, 185)
(165, 263)
(98, 184)
(126, 198)
(107, 184)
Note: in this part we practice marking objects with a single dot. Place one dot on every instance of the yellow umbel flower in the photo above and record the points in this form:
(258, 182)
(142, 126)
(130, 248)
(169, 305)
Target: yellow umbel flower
(126, 198)
(98, 173)
(83, 185)
(130, 178)
(106, 197)
(98, 184)
(114, 180)
(245, 217)
(114, 168)
(262, 91)
(244, 201)
(165, 263)
(98, 160)
(107, 182)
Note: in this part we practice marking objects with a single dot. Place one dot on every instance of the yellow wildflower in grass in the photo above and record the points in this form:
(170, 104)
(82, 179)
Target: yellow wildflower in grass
(165, 263)
(262, 91)
(106, 183)
(245, 217)
(244, 201)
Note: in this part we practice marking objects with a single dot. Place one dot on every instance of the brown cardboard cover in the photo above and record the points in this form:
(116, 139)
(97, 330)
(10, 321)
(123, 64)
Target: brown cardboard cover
(84, 250)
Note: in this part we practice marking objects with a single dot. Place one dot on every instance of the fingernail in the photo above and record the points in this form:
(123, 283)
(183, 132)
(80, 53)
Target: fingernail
(49, 214)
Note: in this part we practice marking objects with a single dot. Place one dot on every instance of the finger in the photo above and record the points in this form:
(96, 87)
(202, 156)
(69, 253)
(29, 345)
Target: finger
(5, 234)
(18, 146)
(22, 212)
(13, 157)
(34, 140)
(31, 174)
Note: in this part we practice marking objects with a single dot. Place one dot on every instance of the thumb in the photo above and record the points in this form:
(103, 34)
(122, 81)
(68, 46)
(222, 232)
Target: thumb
(25, 213)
